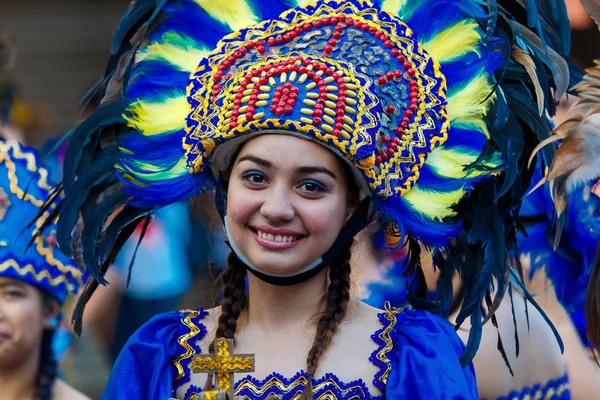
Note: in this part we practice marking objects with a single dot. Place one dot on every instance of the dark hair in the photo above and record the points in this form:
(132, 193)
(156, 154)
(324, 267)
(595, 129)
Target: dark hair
(592, 307)
(48, 369)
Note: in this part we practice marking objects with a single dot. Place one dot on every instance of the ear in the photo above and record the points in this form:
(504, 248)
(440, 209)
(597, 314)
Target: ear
(51, 309)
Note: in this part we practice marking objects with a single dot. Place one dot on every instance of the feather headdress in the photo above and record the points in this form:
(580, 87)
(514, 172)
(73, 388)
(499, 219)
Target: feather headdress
(433, 103)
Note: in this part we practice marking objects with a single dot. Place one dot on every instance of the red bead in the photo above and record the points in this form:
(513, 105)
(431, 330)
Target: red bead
(323, 90)
(382, 80)
(405, 119)
(227, 63)
(317, 121)
(250, 109)
(408, 113)
(412, 82)
(339, 120)
(328, 49)
(334, 20)
(389, 75)
(279, 111)
(260, 49)
(411, 72)
(388, 43)
(413, 107)
(319, 106)
(336, 35)
(288, 109)
(318, 24)
(396, 140)
(390, 108)
(307, 27)
(286, 37)
(339, 28)
(249, 116)
(263, 80)
(328, 71)
(237, 102)
(390, 152)
(292, 34)
(291, 102)
(383, 155)
(395, 52)
(302, 70)
(385, 138)
(403, 125)
(331, 42)
(357, 24)
(392, 145)
(326, 21)
(260, 43)
(338, 125)
(273, 109)
(399, 131)
(239, 96)
(250, 45)
(372, 31)
(253, 97)
(398, 74)
(295, 89)
(406, 65)
(349, 21)
(364, 27)
(311, 74)
(339, 113)
(336, 132)
(342, 100)
(343, 18)
(401, 58)
(378, 160)
(287, 85)
(378, 34)
(317, 113)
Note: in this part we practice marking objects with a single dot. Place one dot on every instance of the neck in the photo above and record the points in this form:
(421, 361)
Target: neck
(19, 381)
(271, 306)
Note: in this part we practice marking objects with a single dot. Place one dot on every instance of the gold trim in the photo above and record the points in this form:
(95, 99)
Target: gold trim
(390, 315)
(183, 341)
(39, 276)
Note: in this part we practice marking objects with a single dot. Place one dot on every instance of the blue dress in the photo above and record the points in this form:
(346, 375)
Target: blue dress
(416, 356)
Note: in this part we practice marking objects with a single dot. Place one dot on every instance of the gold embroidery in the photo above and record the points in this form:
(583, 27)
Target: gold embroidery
(38, 276)
(390, 315)
(223, 364)
(183, 341)
(301, 381)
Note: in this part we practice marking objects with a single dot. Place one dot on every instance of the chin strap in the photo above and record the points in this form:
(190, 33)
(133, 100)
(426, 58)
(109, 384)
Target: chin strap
(353, 226)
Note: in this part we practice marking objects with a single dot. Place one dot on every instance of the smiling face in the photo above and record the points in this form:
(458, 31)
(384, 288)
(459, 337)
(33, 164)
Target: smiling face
(288, 199)
(23, 318)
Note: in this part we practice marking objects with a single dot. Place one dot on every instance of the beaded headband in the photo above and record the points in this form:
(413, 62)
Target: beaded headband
(344, 74)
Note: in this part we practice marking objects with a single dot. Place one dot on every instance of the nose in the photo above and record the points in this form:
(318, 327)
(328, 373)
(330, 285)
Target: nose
(278, 204)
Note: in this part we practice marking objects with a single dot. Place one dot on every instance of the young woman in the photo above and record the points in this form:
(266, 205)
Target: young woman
(34, 283)
(310, 125)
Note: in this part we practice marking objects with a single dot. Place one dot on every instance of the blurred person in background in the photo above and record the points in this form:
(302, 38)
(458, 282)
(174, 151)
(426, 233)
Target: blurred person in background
(34, 283)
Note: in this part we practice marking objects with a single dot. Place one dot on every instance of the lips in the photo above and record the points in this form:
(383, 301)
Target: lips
(275, 239)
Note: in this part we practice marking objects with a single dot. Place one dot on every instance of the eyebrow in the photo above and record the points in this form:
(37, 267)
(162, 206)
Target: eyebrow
(13, 282)
(300, 170)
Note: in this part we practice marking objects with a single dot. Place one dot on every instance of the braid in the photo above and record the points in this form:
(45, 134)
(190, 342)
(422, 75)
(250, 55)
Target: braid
(232, 305)
(338, 295)
(48, 367)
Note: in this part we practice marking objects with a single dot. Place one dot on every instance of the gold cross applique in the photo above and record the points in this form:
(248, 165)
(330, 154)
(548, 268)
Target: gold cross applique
(223, 364)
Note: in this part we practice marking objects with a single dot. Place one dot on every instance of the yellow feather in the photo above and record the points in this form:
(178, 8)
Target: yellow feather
(451, 164)
(469, 104)
(455, 41)
(151, 172)
(156, 118)
(184, 58)
(393, 6)
(435, 205)
(304, 3)
(235, 13)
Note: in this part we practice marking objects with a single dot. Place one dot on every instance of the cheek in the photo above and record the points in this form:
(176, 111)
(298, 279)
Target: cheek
(324, 220)
(25, 321)
(241, 203)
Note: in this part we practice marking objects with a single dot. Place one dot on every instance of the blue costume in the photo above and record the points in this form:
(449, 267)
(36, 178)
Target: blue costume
(424, 101)
(156, 362)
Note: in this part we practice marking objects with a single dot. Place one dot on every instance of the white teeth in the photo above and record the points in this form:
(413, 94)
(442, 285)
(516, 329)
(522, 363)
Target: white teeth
(276, 238)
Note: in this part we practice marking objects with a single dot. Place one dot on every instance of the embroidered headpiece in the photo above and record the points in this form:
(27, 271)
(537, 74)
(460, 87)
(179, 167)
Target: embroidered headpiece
(22, 192)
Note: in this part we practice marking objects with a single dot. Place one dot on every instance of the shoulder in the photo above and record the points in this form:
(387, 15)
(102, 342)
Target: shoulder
(62, 391)
(539, 357)
(422, 347)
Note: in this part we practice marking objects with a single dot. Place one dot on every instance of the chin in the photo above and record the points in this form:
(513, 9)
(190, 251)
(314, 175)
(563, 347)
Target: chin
(279, 265)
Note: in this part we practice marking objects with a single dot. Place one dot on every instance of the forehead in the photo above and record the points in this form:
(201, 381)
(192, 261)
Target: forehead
(288, 150)
(5, 281)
